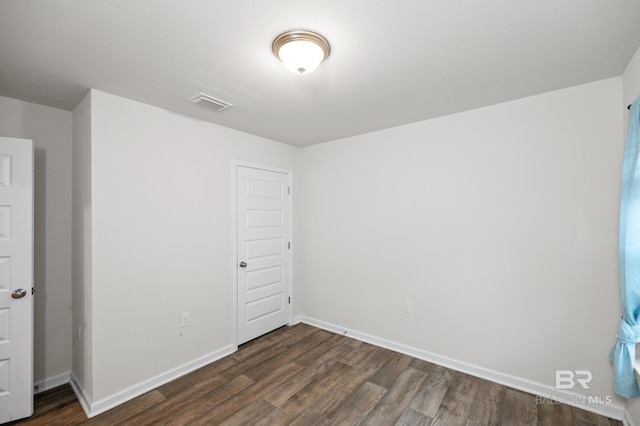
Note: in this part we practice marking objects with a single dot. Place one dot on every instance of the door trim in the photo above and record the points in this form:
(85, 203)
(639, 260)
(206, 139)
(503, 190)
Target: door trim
(234, 239)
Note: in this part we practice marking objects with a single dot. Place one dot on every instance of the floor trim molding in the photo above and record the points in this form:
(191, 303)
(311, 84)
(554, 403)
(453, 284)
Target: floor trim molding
(51, 382)
(93, 408)
(83, 397)
(628, 420)
(612, 410)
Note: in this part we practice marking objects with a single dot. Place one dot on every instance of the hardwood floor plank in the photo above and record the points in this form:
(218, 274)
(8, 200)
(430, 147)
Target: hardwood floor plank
(353, 411)
(550, 414)
(520, 409)
(347, 385)
(330, 357)
(391, 370)
(433, 389)
(488, 404)
(286, 390)
(179, 401)
(59, 397)
(584, 417)
(613, 422)
(294, 407)
(303, 375)
(68, 415)
(280, 394)
(200, 409)
(397, 398)
(250, 414)
(248, 396)
(187, 382)
(375, 360)
(353, 342)
(420, 364)
(258, 345)
(310, 418)
(261, 370)
(287, 336)
(276, 349)
(358, 354)
(311, 356)
(122, 413)
(456, 404)
(413, 418)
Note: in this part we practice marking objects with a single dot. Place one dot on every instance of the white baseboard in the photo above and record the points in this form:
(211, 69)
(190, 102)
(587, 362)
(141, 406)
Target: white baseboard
(627, 420)
(51, 382)
(83, 397)
(611, 410)
(93, 408)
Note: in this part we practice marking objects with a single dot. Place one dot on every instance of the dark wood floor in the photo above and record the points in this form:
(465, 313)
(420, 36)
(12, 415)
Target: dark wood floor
(302, 375)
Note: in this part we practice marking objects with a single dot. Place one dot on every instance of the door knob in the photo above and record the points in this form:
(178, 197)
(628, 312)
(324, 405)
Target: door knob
(19, 293)
(243, 264)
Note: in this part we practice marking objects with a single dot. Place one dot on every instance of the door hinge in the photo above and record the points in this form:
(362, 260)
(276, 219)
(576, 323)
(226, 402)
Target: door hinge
(33, 290)
(289, 190)
(289, 299)
(289, 246)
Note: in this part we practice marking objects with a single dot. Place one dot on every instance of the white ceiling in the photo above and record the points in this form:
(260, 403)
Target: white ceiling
(391, 63)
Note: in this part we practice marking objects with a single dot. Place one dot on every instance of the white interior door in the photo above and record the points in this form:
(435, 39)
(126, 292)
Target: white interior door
(264, 257)
(16, 279)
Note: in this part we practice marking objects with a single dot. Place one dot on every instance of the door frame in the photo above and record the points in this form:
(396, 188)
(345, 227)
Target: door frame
(234, 239)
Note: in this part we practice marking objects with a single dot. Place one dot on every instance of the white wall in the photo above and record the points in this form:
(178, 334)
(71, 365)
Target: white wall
(161, 237)
(50, 130)
(631, 79)
(631, 90)
(82, 248)
(500, 224)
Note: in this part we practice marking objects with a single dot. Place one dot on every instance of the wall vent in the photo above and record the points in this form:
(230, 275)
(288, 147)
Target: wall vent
(210, 102)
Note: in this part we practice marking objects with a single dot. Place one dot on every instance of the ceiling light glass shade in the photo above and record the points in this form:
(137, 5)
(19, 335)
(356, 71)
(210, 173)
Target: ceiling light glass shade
(301, 56)
(301, 51)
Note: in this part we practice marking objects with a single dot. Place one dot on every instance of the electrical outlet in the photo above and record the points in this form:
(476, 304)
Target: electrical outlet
(186, 319)
(79, 332)
(406, 307)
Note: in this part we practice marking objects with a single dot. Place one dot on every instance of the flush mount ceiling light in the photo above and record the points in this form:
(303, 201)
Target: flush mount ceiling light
(301, 51)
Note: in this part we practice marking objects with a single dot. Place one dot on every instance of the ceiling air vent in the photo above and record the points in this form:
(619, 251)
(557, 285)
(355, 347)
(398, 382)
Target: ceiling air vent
(210, 102)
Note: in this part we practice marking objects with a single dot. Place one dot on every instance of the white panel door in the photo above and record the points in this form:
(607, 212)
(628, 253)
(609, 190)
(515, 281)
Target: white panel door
(16, 279)
(264, 229)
